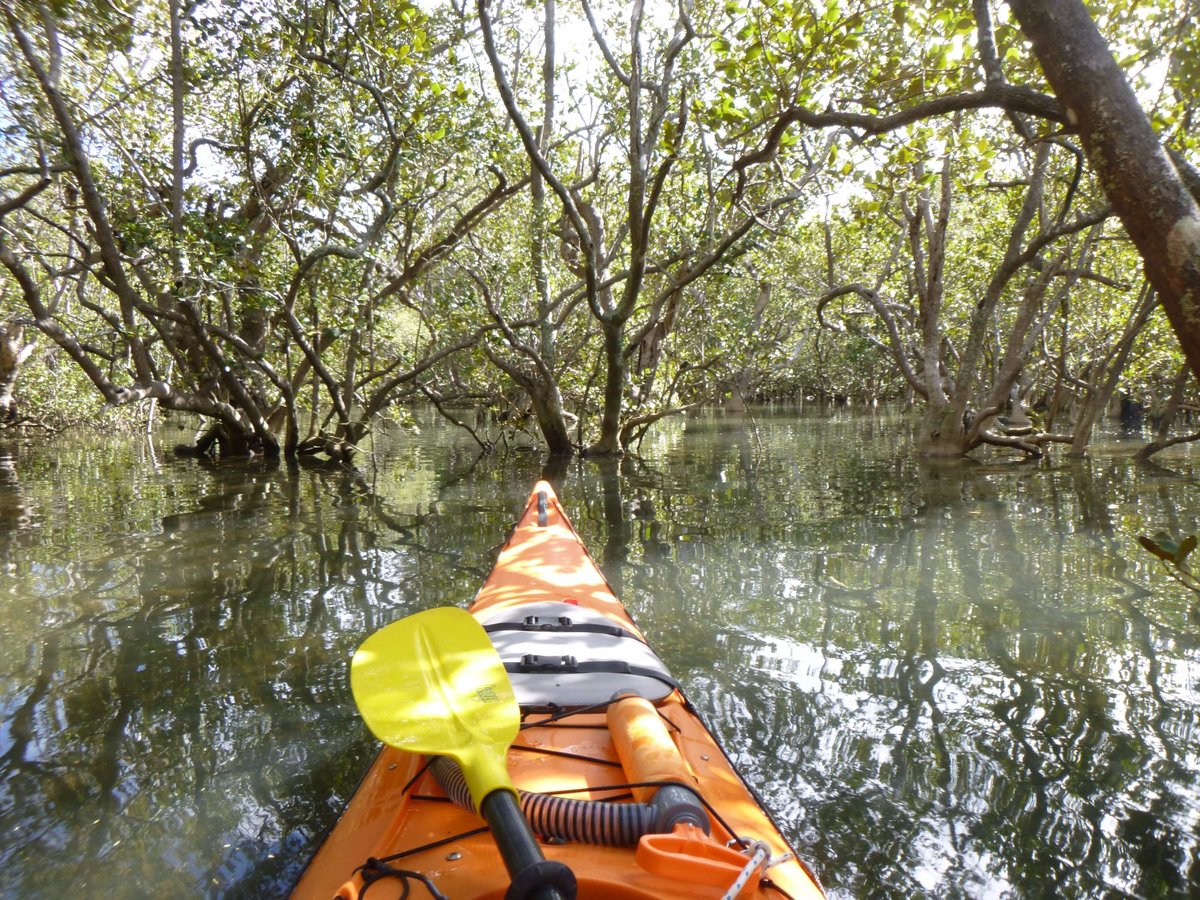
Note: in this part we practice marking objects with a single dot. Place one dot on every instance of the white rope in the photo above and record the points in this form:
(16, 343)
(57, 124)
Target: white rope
(761, 857)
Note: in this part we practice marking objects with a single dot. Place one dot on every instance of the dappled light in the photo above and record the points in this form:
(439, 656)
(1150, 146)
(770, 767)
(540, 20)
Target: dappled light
(950, 678)
(536, 568)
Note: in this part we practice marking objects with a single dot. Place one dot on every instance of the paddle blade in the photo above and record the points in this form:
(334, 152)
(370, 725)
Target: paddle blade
(432, 683)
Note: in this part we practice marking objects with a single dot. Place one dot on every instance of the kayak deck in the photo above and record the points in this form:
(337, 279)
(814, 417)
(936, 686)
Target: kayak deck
(401, 818)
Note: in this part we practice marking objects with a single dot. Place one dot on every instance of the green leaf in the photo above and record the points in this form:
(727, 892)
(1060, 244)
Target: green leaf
(1186, 546)
(1157, 549)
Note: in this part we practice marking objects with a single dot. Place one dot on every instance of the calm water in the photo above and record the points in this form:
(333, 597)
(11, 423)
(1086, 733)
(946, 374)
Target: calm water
(961, 680)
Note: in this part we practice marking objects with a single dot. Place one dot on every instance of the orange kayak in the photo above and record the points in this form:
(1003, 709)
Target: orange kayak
(618, 776)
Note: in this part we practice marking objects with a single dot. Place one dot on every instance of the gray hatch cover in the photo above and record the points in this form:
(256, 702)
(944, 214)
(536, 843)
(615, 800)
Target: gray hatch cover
(565, 655)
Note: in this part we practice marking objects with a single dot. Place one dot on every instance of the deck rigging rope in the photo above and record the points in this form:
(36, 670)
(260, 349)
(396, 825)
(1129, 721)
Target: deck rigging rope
(375, 870)
(760, 858)
(603, 822)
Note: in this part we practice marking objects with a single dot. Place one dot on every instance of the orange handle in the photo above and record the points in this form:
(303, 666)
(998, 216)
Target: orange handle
(689, 855)
(644, 746)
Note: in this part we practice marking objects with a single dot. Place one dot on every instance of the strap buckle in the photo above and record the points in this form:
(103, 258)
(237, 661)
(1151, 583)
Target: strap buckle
(532, 662)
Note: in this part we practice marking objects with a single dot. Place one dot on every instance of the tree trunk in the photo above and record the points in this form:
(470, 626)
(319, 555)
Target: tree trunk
(1140, 180)
(1060, 367)
(13, 352)
(943, 434)
(739, 392)
(742, 382)
(614, 391)
(1109, 374)
(1166, 417)
(1164, 413)
(547, 407)
(537, 183)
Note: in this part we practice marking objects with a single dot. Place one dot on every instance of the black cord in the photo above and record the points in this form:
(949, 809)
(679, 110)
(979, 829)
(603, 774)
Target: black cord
(433, 845)
(556, 714)
(417, 777)
(374, 870)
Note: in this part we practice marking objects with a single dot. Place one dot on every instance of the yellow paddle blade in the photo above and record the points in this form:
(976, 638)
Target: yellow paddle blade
(432, 683)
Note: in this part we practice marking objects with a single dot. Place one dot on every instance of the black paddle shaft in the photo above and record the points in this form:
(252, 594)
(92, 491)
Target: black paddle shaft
(533, 876)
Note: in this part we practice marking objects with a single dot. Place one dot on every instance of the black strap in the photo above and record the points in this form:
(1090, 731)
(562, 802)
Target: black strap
(562, 624)
(532, 664)
(374, 870)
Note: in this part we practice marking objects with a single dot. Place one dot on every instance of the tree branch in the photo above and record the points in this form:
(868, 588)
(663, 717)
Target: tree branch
(1007, 97)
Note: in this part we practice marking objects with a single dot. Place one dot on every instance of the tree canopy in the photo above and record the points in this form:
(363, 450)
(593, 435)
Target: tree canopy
(291, 219)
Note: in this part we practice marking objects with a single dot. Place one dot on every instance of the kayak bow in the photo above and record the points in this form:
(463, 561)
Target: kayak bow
(621, 780)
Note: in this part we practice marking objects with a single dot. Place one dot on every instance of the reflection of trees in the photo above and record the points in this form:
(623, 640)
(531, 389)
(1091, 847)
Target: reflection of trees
(185, 703)
(944, 680)
(1034, 763)
(14, 513)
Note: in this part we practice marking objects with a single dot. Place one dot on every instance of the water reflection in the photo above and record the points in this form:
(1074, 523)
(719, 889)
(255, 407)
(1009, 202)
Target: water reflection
(954, 680)
(174, 650)
(972, 685)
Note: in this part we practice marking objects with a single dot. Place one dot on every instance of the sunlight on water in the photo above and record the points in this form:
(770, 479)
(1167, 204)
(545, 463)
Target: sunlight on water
(957, 680)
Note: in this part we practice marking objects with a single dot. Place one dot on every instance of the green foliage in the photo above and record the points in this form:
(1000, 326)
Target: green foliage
(1173, 554)
(1167, 548)
(55, 394)
(368, 129)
